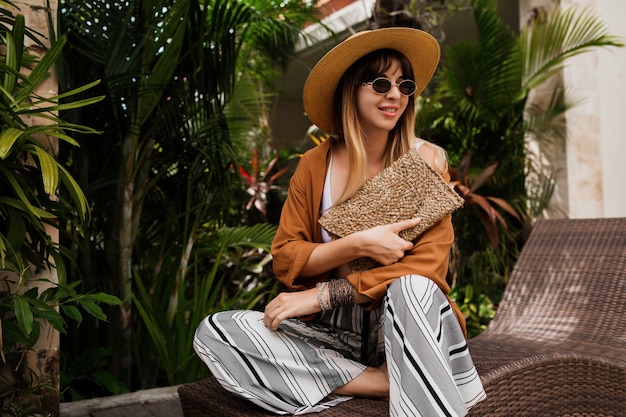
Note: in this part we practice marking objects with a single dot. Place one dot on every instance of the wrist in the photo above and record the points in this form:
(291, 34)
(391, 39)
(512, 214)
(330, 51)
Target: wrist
(358, 245)
(334, 294)
(323, 298)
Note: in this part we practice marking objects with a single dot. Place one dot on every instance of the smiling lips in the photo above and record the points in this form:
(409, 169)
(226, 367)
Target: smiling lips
(391, 111)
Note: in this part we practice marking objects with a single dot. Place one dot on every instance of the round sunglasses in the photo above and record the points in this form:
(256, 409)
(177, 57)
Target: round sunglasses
(382, 85)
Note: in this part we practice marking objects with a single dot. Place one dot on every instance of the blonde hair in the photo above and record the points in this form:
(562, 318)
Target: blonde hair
(401, 137)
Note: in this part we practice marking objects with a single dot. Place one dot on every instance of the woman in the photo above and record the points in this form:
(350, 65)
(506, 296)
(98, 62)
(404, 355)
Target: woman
(390, 331)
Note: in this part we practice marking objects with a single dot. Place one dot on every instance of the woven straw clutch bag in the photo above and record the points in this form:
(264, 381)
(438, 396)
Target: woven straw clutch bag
(408, 188)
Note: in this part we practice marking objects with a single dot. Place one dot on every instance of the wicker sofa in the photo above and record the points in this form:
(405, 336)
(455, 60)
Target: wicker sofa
(557, 346)
(206, 398)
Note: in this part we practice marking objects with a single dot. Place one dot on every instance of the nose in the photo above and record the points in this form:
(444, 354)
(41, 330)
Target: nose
(394, 92)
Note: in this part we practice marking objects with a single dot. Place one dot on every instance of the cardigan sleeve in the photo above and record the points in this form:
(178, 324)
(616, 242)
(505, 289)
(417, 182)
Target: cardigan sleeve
(298, 232)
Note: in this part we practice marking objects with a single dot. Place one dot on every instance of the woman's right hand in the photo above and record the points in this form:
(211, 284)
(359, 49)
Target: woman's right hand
(383, 243)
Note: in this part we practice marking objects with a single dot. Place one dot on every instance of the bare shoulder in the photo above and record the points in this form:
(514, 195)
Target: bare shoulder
(434, 155)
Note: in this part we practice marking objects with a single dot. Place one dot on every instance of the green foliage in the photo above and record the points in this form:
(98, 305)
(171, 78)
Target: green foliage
(29, 309)
(227, 273)
(86, 373)
(477, 308)
(25, 315)
(479, 107)
(188, 87)
(29, 173)
(37, 195)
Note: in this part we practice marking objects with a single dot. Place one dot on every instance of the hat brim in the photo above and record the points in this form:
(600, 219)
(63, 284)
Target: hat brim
(420, 48)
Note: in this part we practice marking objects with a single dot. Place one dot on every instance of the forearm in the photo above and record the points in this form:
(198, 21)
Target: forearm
(381, 243)
(328, 256)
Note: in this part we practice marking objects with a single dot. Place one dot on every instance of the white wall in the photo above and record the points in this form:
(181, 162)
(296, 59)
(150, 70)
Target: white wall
(596, 145)
(612, 81)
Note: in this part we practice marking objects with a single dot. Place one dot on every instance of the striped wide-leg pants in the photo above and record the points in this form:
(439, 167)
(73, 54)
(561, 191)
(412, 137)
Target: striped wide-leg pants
(295, 369)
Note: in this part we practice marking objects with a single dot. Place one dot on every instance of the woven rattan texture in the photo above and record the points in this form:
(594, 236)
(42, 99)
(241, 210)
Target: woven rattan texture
(557, 346)
(206, 398)
(407, 189)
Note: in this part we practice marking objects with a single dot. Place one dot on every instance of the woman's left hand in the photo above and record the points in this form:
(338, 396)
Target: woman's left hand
(288, 305)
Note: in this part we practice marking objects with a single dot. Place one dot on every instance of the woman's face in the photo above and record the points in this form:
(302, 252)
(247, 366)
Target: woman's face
(379, 113)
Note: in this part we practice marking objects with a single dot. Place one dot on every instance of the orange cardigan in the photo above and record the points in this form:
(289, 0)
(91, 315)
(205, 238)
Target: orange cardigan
(299, 233)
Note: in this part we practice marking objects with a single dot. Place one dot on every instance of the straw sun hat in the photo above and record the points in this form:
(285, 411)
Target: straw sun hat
(420, 48)
(409, 187)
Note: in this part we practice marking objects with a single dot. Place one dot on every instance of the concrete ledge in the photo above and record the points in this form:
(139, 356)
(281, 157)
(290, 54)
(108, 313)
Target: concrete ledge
(85, 407)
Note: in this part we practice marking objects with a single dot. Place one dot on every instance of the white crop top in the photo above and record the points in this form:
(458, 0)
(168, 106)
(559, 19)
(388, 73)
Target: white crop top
(327, 200)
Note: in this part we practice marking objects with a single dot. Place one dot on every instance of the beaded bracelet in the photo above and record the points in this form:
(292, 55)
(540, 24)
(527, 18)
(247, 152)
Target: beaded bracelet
(335, 293)
(341, 293)
(322, 296)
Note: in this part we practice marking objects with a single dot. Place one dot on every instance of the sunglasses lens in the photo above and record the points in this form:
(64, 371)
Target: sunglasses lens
(407, 87)
(381, 85)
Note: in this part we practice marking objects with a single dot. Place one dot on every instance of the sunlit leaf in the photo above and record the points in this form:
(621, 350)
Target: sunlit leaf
(19, 192)
(49, 171)
(23, 314)
(505, 206)
(40, 72)
(8, 137)
(11, 62)
(76, 193)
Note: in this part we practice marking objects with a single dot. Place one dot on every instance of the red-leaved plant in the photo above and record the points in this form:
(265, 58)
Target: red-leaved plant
(488, 213)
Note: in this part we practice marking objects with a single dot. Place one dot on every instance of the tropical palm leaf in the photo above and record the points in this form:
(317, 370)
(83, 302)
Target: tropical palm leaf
(32, 199)
(546, 44)
(482, 91)
(547, 122)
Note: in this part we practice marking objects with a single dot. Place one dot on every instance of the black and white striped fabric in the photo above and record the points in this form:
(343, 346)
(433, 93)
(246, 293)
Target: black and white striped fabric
(295, 369)
(430, 369)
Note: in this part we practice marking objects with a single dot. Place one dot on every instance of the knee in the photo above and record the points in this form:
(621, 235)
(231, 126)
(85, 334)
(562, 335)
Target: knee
(212, 328)
(224, 326)
(415, 285)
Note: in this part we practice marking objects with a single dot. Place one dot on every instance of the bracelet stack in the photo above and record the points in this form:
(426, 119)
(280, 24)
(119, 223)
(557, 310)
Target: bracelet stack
(322, 296)
(335, 293)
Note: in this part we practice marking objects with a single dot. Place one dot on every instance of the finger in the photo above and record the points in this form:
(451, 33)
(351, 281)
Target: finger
(269, 316)
(407, 246)
(276, 322)
(405, 224)
(267, 320)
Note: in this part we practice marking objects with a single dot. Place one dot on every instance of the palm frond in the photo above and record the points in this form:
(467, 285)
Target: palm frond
(547, 122)
(484, 88)
(551, 39)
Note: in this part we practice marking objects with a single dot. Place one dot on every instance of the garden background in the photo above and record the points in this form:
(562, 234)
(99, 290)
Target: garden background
(143, 192)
